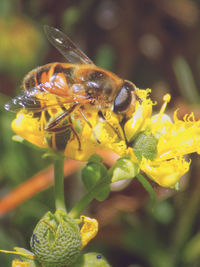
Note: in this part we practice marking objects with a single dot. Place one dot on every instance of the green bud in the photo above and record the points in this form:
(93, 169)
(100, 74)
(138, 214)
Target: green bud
(91, 259)
(56, 240)
(145, 145)
(124, 168)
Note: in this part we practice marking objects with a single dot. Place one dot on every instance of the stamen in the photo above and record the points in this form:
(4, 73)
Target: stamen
(166, 99)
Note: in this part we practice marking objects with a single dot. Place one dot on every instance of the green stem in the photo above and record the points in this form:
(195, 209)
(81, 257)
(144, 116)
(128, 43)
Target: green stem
(147, 186)
(59, 183)
(88, 197)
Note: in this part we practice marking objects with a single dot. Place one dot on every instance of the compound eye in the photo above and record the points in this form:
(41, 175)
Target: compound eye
(123, 99)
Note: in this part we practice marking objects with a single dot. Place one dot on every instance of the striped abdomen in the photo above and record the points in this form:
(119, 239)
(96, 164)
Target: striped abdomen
(49, 73)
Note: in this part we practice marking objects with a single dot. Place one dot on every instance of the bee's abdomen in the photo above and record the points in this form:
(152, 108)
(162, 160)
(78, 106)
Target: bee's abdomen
(66, 70)
(34, 78)
(49, 73)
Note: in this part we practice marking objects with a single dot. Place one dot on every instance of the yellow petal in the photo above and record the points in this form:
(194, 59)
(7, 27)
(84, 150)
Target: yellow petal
(18, 263)
(109, 138)
(165, 173)
(24, 254)
(142, 112)
(87, 149)
(88, 230)
(181, 138)
(28, 127)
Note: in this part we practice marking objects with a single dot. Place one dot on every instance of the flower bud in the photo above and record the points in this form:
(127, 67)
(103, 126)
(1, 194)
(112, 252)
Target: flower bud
(91, 259)
(145, 145)
(56, 240)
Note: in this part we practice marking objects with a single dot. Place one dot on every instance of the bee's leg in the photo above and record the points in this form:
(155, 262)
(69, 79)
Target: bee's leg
(63, 128)
(90, 125)
(55, 128)
(55, 122)
(122, 123)
(111, 126)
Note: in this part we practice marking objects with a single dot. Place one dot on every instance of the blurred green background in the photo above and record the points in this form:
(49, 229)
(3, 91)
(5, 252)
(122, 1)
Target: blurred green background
(155, 44)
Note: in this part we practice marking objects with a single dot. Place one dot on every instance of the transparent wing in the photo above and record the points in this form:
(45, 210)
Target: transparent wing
(27, 100)
(66, 47)
(41, 98)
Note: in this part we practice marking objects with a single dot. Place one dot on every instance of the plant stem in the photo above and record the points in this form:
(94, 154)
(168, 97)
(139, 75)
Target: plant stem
(147, 186)
(59, 183)
(88, 197)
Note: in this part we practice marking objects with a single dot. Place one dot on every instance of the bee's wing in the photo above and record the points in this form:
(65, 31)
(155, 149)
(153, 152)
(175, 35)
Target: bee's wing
(41, 98)
(26, 99)
(66, 47)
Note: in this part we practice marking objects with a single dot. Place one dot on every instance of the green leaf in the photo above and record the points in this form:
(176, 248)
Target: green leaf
(93, 172)
(147, 186)
(124, 168)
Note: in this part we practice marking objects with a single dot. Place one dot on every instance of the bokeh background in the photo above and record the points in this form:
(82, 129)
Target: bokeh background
(155, 44)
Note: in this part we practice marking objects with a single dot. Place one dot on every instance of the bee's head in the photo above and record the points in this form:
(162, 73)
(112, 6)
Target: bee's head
(124, 97)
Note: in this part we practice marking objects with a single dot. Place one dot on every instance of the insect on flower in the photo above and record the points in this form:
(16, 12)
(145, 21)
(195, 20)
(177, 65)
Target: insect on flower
(57, 90)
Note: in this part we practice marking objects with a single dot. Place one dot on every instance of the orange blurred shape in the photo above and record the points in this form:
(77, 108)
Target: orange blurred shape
(43, 179)
(34, 185)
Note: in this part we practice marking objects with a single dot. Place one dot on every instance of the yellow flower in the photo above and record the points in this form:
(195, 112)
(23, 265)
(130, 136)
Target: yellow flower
(88, 230)
(159, 144)
(80, 140)
(174, 140)
(85, 132)
(101, 134)
(181, 138)
(29, 128)
(165, 173)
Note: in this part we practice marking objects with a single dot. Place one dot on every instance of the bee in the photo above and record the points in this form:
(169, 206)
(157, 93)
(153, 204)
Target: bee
(72, 86)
